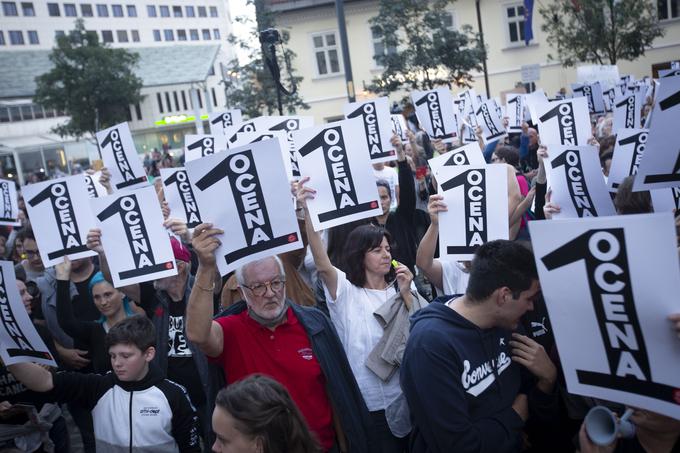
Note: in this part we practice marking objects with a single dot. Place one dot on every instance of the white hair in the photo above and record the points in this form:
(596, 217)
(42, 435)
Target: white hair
(241, 270)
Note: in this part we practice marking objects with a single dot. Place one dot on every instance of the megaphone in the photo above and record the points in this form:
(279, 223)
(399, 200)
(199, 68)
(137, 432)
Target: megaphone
(603, 428)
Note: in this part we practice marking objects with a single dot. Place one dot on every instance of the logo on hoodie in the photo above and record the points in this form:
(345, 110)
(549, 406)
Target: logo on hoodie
(476, 380)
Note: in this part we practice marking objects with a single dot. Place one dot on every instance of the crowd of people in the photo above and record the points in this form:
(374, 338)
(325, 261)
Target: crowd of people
(365, 340)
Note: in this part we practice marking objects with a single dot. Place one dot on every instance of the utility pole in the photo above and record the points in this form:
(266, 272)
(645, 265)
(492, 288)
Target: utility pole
(340, 12)
(481, 38)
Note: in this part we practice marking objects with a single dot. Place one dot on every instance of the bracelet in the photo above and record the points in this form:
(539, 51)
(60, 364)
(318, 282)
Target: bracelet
(205, 289)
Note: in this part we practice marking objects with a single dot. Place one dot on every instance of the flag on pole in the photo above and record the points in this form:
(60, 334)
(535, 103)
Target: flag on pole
(528, 14)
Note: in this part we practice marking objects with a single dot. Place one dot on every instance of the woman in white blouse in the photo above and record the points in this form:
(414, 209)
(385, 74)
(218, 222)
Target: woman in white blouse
(369, 282)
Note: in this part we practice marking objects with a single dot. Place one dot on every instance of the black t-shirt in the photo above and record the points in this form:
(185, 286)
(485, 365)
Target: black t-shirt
(181, 366)
(83, 305)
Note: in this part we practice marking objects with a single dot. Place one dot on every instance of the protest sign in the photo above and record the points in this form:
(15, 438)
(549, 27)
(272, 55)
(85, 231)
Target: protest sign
(666, 200)
(490, 121)
(201, 145)
(180, 196)
(280, 136)
(660, 166)
(608, 74)
(628, 151)
(399, 127)
(218, 121)
(375, 115)
(136, 244)
(515, 111)
(465, 155)
(335, 157)
(60, 229)
(120, 157)
(669, 73)
(19, 341)
(288, 124)
(10, 203)
(609, 284)
(434, 109)
(255, 210)
(481, 192)
(609, 96)
(593, 94)
(627, 111)
(94, 187)
(565, 122)
(533, 101)
(577, 182)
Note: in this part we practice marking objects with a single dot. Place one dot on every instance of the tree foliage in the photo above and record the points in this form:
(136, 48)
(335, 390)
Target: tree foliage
(93, 83)
(600, 31)
(251, 87)
(421, 51)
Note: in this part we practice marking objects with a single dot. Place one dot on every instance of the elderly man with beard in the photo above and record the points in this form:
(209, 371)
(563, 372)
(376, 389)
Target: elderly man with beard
(270, 334)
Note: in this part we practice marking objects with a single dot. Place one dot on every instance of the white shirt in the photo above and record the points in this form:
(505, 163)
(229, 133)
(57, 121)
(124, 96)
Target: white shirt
(352, 314)
(390, 175)
(454, 278)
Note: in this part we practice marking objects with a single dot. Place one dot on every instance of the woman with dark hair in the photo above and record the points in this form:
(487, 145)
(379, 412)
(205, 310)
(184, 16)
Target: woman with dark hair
(257, 415)
(369, 303)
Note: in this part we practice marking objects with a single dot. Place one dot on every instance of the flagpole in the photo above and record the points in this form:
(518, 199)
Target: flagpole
(481, 38)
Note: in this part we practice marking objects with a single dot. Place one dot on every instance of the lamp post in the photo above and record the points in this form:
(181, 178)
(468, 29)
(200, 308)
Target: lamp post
(340, 12)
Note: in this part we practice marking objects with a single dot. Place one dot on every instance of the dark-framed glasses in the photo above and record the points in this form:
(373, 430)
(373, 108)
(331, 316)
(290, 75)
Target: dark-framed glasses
(260, 289)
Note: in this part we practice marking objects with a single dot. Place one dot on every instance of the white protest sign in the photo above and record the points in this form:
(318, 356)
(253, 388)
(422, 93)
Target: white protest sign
(609, 96)
(288, 124)
(593, 94)
(218, 121)
(593, 73)
(255, 210)
(434, 109)
(201, 145)
(399, 127)
(533, 101)
(668, 73)
(628, 151)
(660, 166)
(490, 121)
(280, 136)
(375, 114)
(515, 111)
(609, 284)
(666, 200)
(565, 122)
(464, 155)
(471, 101)
(335, 157)
(136, 244)
(60, 229)
(10, 203)
(120, 157)
(627, 111)
(578, 186)
(94, 187)
(477, 200)
(180, 196)
(245, 127)
(19, 341)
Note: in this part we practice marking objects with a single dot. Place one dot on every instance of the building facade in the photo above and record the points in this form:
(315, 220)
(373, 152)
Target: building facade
(314, 37)
(183, 49)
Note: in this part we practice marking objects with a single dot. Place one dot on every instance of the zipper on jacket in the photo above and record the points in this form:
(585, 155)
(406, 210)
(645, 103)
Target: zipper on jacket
(130, 415)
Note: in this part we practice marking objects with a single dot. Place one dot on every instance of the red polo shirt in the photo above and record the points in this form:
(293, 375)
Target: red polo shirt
(285, 355)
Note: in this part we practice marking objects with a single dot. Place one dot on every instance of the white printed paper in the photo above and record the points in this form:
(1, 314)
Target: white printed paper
(120, 157)
(10, 203)
(592, 92)
(136, 244)
(666, 200)
(255, 210)
(94, 187)
(533, 102)
(609, 284)
(490, 121)
(399, 127)
(464, 155)
(627, 111)
(201, 145)
(247, 138)
(288, 124)
(180, 196)
(434, 109)
(375, 114)
(514, 109)
(628, 151)
(565, 122)
(218, 121)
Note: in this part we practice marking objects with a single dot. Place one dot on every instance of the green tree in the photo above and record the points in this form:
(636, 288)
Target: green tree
(600, 31)
(252, 88)
(422, 50)
(93, 83)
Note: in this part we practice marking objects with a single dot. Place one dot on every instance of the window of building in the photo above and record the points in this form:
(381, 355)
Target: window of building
(213, 11)
(135, 35)
(27, 112)
(102, 10)
(70, 10)
(9, 9)
(2, 38)
(214, 96)
(379, 49)
(174, 96)
(169, 35)
(15, 113)
(181, 35)
(668, 9)
(212, 70)
(33, 37)
(326, 54)
(160, 102)
(191, 12)
(38, 112)
(27, 9)
(514, 17)
(184, 100)
(16, 37)
(200, 100)
(117, 10)
(177, 11)
(4, 115)
(216, 33)
(202, 11)
(165, 11)
(131, 10)
(107, 36)
(206, 34)
(167, 101)
(59, 33)
(138, 112)
(151, 10)
(53, 9)
(86, 10)
(156, 35)
(450, 20)
(193, 33)
(122, 35)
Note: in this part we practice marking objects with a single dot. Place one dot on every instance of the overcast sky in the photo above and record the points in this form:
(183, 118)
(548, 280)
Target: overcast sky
(239, 8)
